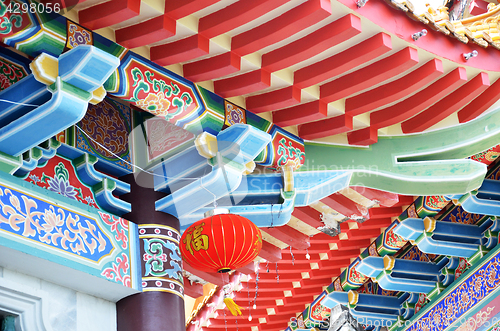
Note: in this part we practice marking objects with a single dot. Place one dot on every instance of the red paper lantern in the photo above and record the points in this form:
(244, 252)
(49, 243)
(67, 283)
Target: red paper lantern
(221, 243)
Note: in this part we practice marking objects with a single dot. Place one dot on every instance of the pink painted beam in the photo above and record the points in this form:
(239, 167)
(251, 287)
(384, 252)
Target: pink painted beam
(180, 51)
(243, 84)
(289, 236)
(314, 43)
(447, 106)
(366, 77)
(235, 15)
(420, 101)
(109, 13)
(346, 206)
(180, 9)
(212, 68)
(285, 97)
(363, 137)
(385, 199)
(247, 270)
(302, 113)
(480, 104)
(193, 290)
(404, 200)
(327, 127)
(385, 212)
(270, 252)
(309, 216)
(375, 223)
(283, 26)
(395, 90)
(214, 278)
(145, 33)
(338, 64)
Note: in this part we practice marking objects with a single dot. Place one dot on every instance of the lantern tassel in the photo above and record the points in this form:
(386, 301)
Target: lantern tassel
(232, 306)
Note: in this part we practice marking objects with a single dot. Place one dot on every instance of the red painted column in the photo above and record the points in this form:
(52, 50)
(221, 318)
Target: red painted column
(161, 304)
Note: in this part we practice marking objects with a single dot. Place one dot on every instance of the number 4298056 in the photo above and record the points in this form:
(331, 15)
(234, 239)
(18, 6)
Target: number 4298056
(18, 8)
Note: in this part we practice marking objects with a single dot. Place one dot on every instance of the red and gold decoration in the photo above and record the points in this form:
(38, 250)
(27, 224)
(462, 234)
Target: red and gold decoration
(221, 243)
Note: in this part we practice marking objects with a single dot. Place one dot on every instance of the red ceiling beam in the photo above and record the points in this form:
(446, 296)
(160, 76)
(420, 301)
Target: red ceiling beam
(180, 9)
(420, 101)
(369, 76)
(311, 45)
(235, 15)
(243, 84)
(328, 265)
(350, 244)
(212, 68)
(289, 236)
(404, 200)
(145, 33)
(480, 104)
(363, 137)
(346, 206)
(385, 212)
(109, 13)
(270, 252)
(363, 234)
(375, 223)
(309, 216)
(395, 90)
(342, 254)
(383, 198)
(273, 100)
(447, 106)
(247, 270)
(180, 51)
(302, 113)
(282, 27)
(327, 127)
(217, 279)
(193, 290)
(338, 64)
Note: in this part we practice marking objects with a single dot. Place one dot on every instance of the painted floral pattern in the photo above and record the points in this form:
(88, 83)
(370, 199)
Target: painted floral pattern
(58, 175)
(462, 298)
(51, 225)
(10, 73)
(108, 124)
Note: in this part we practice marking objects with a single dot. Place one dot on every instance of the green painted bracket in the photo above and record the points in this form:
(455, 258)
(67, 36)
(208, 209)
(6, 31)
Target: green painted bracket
(428, 163)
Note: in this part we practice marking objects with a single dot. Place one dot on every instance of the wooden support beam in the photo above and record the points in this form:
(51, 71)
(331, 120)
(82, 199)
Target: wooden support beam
(302, 113)
(180, 51)
(395, 90)
(312, 44)
(342, 62)
(108, 13)
(346, 206)
(369, 76)
(383, 198)
(420, 101)
(147, 32)
(270, 252)
(217, 279)
(235, 15)
(212, 68)
(193, 290)
(180, 9)
(249, 82)
(447, 106)
(277, 99)
(282, 27)
(289, 236)
(309, 216)
(363, 137)
(385, 212)
(327, 127)
(404, 200)
(480, 104)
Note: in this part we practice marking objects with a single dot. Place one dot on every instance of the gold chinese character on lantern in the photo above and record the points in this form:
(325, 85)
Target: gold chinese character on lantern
(196, 240)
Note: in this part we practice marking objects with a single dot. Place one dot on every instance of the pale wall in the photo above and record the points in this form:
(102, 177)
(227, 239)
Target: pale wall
(69, 310)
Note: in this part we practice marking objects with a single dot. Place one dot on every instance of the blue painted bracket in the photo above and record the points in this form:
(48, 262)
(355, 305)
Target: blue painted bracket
(35, 116)
(238, 145)
(484, 201)
(37, 156)
(370, 309)
(400, 274)
(442, 238)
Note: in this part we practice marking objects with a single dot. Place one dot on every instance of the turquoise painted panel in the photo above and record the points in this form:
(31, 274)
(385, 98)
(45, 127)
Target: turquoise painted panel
(50, 226)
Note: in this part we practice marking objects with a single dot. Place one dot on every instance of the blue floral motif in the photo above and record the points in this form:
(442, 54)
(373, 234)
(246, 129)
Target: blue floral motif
(60, 183)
